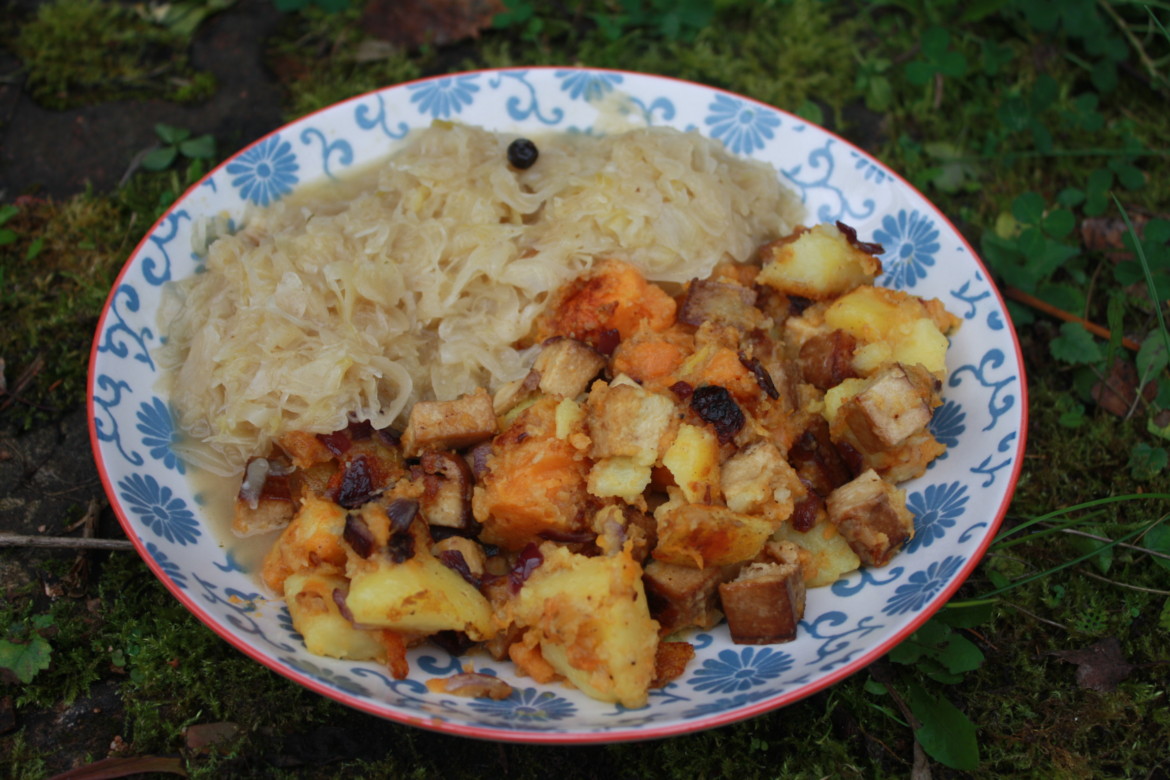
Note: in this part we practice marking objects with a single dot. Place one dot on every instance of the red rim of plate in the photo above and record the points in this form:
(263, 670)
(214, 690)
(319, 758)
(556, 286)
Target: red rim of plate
(617, 735)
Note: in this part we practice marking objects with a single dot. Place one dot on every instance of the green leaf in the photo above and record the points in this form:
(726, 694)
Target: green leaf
(8, 212)
(7, 236)
(960, 654)
(34, 248)
(25, 659)
(1028, 208)
(1075, 345)
(946, 734)
(170, 134)
(1158, 540)
(1146, 462)
(1099, 553)
(1151, 357)
(1058, 223)
(160, 159)
(202, 147)
(919, 72)
(966, 615)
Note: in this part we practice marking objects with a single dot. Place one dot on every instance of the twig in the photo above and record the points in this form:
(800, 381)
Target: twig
(1125, 584)
(1097, 538)
(1031, 300)
(1034, 616)
(63, 542)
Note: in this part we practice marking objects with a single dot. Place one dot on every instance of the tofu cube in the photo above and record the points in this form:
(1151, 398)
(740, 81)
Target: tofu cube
(567, 366)
(625, 420)
(871, 515)
(449, 425)
(765, 603)
(683, 596)
(721, 301)
(758, 480)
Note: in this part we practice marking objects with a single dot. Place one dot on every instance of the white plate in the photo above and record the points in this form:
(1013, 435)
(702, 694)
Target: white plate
(959, 503)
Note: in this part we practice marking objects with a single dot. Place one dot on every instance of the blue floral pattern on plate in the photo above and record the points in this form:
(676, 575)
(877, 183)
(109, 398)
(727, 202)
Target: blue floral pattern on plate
(958, 503)
(266, 172)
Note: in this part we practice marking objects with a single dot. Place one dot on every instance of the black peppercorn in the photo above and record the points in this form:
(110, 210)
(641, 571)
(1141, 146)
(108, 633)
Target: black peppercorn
(522, 153)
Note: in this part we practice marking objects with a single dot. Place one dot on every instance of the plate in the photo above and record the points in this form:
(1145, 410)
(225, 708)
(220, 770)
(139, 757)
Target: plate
(958, 503)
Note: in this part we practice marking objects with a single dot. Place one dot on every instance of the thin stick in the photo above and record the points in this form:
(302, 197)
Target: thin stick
(1048, 308)
(1125, 584)
(63, 542)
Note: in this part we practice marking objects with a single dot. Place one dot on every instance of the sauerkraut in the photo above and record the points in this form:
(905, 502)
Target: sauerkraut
(423, 285)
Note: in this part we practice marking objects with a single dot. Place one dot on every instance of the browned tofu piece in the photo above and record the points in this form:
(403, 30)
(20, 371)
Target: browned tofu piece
(758, 480)
(681, 596)
(895, 404)
(266, 505)
(724, 302)
(765, 603)
(567, 366)
(826, 359)
(447, 484)
(627, 421)
(449, 425)
(455, 549)
(872, 516)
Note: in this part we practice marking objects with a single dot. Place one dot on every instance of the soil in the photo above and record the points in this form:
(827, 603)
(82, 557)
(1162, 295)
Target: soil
(59, 153)
(48, 479)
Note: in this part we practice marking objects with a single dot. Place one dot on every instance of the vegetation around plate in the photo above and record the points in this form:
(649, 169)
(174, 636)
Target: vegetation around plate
(1038, 126)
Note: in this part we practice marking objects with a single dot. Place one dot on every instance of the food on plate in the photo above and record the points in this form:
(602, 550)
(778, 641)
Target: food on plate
(628, 395)
(634, 484)
(419, 281)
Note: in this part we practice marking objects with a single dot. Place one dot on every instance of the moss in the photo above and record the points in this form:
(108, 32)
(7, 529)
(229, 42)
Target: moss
(78, 52)
(55, 278)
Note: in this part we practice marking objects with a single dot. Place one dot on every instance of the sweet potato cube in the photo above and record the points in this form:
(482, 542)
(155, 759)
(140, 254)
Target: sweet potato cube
(567, 366)
(872, 516)
(683, 596)
(765, 603)
(449, 424)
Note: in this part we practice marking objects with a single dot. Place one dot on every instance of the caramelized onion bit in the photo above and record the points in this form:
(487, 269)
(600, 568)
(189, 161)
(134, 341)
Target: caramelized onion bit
(358, 535)
(608, 340)
(401, 513)
(851, 236)
(357, 483)
(528, 561)
(763, 378)
(715, 405)
(337, 442)
(400, 547)
(454, 560)
(477, 685)
(568, 537)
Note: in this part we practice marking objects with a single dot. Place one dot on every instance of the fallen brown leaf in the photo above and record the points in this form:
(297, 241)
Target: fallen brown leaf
(206, 737)
(1117, 391)
(1100, 666)
(124, 767)
(412, 23)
